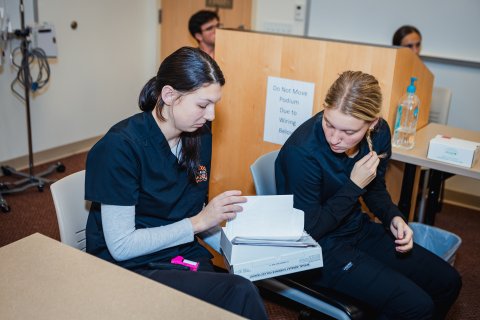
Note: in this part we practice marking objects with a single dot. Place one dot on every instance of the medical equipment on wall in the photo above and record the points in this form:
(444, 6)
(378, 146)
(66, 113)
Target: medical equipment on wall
(33, 73)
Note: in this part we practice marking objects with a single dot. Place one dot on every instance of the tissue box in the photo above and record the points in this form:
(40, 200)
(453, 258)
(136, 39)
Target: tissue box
(256, 262)
(455, 151)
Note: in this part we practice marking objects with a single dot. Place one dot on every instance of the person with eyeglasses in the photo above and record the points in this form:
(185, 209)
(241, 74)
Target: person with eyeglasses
(408, 36)
(202, 26)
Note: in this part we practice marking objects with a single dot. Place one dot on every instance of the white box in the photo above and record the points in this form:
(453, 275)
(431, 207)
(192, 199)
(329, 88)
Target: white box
(256, 262)
(455, 151)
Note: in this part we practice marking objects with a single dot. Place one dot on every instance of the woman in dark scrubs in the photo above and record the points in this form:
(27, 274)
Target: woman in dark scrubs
(328, 163)
(148, 177)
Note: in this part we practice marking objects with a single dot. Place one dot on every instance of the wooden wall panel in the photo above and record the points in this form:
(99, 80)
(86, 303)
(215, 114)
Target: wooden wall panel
(239, 17)
(241, 110)
(248, 59)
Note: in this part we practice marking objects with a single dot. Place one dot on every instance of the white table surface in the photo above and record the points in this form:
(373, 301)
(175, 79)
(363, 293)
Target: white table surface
(418, 155)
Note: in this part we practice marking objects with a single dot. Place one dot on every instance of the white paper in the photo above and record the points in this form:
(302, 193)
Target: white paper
(267, 218)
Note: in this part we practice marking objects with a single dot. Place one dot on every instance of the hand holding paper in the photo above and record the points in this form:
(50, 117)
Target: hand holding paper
(223, 207)
(268, 218)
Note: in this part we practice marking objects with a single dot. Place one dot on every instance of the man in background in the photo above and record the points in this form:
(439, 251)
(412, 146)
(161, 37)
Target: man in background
(202, 26)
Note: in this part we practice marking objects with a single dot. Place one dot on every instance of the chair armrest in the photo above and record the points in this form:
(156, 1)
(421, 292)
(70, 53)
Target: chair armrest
(353, 308)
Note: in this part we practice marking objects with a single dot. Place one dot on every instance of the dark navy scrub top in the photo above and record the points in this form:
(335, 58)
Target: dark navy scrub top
(132, 165)
(320, 181)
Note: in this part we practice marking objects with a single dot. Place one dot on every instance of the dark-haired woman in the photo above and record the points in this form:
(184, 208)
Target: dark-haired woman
(147, 179)
(408, 36)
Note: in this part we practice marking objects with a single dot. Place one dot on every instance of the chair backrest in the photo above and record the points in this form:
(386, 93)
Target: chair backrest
(440, 106)
(263, 173)
(71, 208)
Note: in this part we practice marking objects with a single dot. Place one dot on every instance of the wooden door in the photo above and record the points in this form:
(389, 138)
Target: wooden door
(175, 15)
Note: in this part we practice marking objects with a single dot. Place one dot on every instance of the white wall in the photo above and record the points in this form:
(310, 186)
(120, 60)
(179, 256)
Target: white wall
(279, 16)
(449, 28)
(95, 81)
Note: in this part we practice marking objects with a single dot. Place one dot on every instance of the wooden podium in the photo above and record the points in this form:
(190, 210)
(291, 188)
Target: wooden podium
(247, 59)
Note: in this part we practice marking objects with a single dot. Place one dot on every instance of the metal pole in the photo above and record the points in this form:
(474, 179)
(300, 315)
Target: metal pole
(26, 84)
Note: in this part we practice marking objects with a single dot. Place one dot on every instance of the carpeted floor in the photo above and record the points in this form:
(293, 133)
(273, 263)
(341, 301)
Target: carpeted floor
(33, 211)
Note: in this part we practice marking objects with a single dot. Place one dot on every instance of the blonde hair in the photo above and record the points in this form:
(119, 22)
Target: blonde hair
(356, 94)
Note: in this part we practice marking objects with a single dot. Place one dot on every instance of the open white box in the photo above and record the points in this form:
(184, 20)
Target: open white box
(268, 258)
(260, 262)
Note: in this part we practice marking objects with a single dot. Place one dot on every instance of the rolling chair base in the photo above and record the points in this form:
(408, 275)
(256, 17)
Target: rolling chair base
(27, 181)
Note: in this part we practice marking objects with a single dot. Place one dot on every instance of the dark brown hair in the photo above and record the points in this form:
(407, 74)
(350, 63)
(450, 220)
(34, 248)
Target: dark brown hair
(185, 70)
(402, 32)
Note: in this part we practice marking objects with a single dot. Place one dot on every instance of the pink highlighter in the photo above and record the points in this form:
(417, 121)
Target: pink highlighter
(184, 262)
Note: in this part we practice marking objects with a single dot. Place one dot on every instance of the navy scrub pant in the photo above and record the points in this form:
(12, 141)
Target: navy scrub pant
(417, 285)
(227, 291)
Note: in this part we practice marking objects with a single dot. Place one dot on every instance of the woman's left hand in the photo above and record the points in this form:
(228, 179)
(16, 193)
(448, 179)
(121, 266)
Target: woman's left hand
(402, 233)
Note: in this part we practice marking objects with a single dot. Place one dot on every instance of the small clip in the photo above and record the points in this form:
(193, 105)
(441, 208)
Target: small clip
(184, 262)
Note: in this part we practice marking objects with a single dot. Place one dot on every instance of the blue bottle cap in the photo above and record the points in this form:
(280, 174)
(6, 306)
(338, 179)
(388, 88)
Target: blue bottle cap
(411, 88)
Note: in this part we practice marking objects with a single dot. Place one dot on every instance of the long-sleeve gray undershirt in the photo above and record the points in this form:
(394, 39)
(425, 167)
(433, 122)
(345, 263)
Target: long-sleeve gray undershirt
(125, 242)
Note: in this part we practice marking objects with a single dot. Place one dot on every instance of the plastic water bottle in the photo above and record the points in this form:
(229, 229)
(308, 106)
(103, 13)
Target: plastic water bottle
(406, 120)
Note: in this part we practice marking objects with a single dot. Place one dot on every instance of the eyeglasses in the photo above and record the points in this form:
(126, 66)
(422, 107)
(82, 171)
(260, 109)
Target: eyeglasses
(414, 45)
(212, 27)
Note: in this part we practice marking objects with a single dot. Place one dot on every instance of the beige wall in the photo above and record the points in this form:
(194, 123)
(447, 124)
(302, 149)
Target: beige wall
(95, 80)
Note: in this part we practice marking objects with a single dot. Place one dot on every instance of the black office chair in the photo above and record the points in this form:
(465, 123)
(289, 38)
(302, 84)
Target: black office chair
(325, 301)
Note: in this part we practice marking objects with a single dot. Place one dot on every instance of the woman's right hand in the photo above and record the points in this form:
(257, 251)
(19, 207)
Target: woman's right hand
(222, 207)
(365, 170)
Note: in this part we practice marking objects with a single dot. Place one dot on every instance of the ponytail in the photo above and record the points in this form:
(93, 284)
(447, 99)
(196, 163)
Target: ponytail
(147, 99)
(368, 137)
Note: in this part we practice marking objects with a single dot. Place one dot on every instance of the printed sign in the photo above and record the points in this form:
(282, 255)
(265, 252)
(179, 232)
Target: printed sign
(289, 104)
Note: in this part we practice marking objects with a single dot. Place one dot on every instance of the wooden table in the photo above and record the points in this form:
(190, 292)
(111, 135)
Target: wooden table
(41, 278)
(417, 157)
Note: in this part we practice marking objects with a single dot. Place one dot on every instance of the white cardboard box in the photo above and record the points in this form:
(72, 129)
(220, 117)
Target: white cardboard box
(455, 151)
(260, 262)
